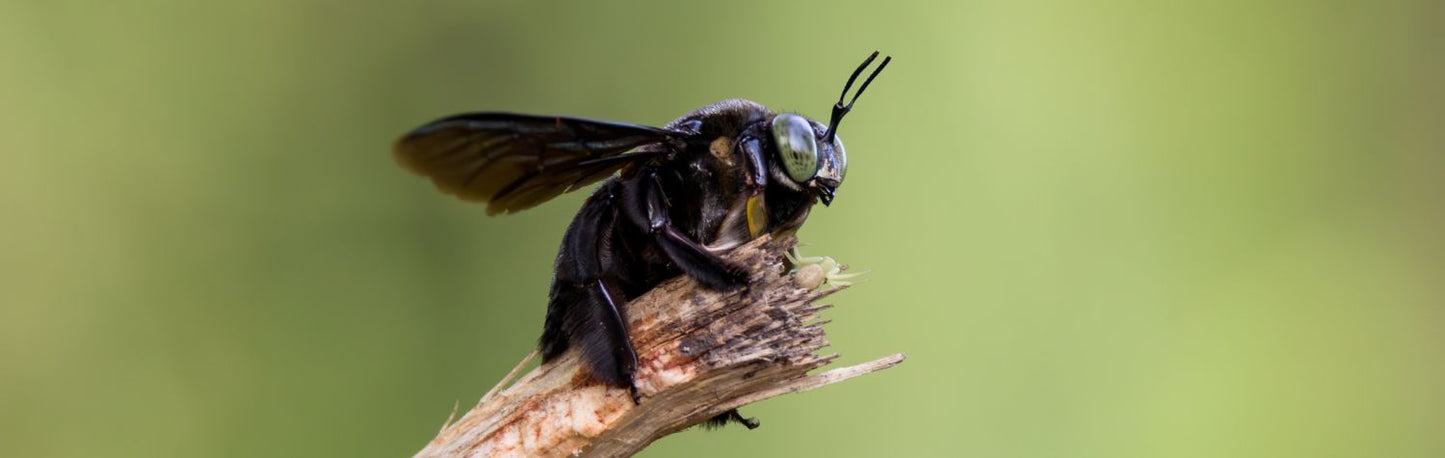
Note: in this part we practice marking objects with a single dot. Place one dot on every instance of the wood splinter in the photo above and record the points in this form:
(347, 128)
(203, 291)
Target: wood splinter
(700, 353)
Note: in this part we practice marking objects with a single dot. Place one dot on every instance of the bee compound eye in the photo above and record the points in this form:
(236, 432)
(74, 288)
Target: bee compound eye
(797, 146)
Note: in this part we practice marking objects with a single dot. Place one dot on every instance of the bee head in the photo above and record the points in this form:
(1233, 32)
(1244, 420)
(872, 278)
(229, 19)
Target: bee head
(810, 154)
(807, 159)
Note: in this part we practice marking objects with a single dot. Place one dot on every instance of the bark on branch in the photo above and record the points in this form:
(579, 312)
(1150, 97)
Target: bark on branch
(700, 353)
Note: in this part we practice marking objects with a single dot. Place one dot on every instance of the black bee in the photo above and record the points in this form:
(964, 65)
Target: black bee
(672, 199)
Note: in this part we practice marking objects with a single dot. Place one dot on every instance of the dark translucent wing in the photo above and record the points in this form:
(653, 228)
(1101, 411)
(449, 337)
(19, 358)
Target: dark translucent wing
(514, 162)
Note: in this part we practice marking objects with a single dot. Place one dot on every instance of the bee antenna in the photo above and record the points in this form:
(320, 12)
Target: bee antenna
(839, 109)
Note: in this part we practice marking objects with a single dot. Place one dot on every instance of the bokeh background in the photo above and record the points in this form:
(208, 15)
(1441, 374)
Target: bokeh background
(1099, 229)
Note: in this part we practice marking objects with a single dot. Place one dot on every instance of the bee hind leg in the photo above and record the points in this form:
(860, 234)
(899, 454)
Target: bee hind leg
(731, 416)
(584, 310)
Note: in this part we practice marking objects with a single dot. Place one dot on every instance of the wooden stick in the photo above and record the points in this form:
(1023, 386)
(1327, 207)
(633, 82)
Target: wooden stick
(700, 353)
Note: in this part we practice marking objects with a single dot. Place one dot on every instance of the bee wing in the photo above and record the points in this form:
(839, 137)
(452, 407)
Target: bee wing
(514, 162)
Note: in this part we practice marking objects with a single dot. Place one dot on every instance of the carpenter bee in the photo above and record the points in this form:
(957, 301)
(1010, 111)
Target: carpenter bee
(671, 200)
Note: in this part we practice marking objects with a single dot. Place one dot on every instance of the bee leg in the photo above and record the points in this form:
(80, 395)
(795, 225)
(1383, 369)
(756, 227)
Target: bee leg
(646, 205)
(584, 308)
(699, 263)
(595, 328)
(603, 340)
(730, 416)
(751, 423)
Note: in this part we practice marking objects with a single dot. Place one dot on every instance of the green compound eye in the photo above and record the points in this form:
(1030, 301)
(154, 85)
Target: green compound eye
(796, 146)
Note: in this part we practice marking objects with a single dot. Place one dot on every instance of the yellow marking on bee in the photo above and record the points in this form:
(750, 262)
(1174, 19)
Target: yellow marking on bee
(722, 148)
(757, 216)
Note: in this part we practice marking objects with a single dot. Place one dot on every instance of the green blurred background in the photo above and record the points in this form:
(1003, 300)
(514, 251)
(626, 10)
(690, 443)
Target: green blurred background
(1106, 229)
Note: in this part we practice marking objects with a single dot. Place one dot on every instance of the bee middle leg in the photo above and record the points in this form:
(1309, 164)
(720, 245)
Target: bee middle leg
(646, 205)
